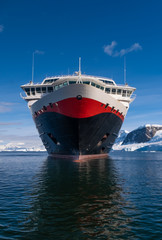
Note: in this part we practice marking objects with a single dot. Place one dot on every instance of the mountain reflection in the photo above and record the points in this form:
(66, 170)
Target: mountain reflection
(77, 201)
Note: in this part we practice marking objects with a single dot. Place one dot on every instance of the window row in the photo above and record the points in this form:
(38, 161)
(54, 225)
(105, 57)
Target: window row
(50, 80)
(34, 91)
(107, 82)
(124, 93)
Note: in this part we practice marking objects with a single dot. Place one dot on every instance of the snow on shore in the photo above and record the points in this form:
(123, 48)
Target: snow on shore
(155, 144)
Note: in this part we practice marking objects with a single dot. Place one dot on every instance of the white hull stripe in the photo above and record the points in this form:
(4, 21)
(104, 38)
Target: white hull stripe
(72, 91)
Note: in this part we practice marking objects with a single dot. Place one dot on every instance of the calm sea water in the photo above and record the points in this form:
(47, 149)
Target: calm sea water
(115, 198)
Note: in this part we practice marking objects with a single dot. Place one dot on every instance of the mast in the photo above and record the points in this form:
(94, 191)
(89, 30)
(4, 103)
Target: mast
(35, 52)
(79, 66)
(33, 68)
(125, 70)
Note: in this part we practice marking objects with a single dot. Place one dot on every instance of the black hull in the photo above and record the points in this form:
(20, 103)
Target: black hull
(78, 136)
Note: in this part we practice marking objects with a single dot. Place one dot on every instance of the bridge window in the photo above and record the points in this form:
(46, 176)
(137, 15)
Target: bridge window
(129, 93)
(50, 80)
(113, 91)
(56, 87)
(124, 93)
(86, 82)
(107, 82)
(27, 90)
(65, 83)
(107, 90)
(38, 90)
(43, 90)
(50, 89)
(33, 91)
(93, 84)
(72, 82)
(118, 91)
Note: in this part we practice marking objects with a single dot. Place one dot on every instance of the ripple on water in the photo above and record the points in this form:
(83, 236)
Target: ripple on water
(115, 198)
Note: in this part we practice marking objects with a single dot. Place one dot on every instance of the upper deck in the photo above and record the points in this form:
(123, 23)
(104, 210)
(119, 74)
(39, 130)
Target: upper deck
(51, 84)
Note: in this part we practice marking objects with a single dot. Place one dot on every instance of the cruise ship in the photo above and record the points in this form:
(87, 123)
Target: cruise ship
(78, 115)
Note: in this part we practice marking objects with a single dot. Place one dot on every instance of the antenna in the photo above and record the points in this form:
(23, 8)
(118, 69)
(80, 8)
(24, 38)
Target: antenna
(79, 66)
(35, 52)
(125, 70)
(33, 67)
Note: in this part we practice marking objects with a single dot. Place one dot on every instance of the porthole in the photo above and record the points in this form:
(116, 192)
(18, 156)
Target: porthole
(79, 97)
(51, 105)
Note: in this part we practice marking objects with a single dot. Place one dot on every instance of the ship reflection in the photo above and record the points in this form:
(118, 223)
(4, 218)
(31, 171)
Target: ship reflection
(77, 201)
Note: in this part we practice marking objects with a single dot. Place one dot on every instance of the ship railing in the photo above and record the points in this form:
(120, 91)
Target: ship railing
(133, 96)
(32, 84)
(31, 97)
(21, 95)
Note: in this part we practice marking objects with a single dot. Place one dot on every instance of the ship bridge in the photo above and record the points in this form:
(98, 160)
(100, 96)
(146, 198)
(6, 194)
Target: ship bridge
(33, 92)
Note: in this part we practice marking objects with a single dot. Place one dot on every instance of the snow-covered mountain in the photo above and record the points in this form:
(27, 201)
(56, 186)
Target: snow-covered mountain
(25, 144)
(122, 135)
(144, 138)
(142, 134)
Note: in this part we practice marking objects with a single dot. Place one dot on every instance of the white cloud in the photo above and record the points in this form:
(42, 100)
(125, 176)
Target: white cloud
(5, 107)
(38, 52)
(110, 49)
(1, 28)
(9, 123)
(6, 103)
(134, 47)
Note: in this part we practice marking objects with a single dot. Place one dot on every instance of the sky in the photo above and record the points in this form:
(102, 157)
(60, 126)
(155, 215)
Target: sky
(101, 32)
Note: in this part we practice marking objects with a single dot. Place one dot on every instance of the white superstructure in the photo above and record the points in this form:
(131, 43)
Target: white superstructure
(122, 93)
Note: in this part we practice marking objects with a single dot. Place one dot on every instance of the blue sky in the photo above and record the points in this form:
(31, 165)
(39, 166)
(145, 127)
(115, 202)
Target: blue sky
(65, 30)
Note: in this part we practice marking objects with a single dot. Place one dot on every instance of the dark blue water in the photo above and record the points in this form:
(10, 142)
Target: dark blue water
(115, 198)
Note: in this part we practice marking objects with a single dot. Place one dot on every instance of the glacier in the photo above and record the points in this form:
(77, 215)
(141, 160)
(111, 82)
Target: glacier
(155, 143)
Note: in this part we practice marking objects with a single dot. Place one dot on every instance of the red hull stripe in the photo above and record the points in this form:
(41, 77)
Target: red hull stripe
(83, 108)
